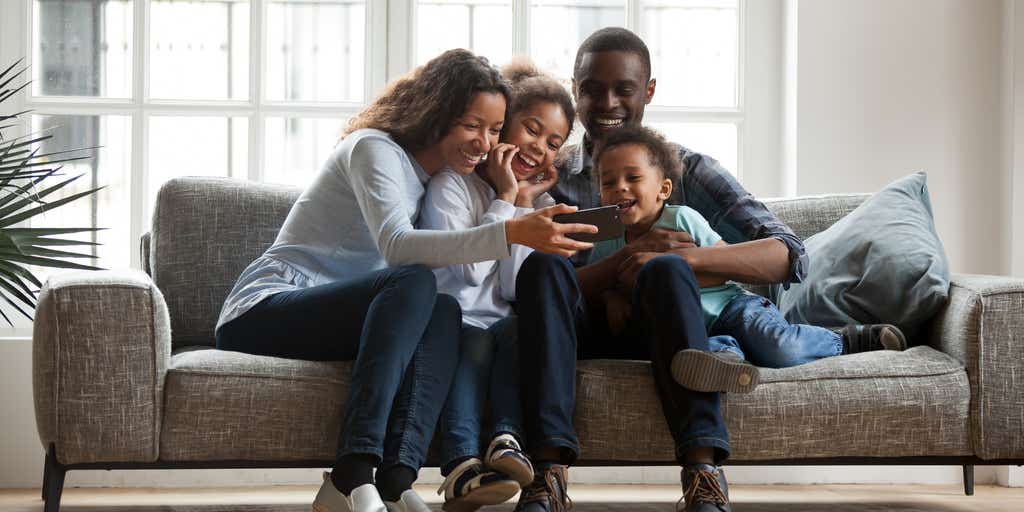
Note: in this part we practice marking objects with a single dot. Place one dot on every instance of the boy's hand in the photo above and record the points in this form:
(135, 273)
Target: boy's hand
(630, 267)
(531, 189)
(617, 309)
(499, 171)
(661, 240)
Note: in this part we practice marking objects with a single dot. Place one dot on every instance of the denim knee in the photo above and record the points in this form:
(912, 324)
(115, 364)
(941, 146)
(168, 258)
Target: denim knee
(664, 268)
(447, 308)
(417, 278)
(477, 349)
(548, 265)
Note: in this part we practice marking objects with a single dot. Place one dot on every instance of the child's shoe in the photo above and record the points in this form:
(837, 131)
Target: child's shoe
(364, 498)
(863, 338)
(505, 456)
(409, 501)
(469, 486)
(704, 489)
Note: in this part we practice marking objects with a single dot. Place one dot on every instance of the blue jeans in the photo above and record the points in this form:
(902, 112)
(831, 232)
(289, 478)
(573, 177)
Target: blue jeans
(754, 328)
(488, 372)
(401, 335)
(555, 328)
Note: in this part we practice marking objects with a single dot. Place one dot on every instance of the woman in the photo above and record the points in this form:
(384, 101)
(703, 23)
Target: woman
(347, 277)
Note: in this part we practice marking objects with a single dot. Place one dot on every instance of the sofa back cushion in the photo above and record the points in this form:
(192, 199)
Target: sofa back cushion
(205, 232)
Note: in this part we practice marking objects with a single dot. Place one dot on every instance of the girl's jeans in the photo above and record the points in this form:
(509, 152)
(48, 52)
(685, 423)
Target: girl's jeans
(488, 372)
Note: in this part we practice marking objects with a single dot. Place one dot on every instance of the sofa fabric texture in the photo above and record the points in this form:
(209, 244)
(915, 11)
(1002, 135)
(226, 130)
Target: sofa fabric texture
(113, 384)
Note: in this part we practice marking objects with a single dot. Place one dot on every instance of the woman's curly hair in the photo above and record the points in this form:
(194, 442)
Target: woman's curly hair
(419, 109)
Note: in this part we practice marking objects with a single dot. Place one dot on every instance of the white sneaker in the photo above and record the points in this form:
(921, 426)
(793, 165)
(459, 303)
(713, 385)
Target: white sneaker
(409, 501)
(505, 456)
(469, 486)
(364, 498)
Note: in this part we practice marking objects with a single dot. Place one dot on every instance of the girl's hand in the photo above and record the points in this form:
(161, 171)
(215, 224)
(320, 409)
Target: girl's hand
(499, 171)
(538, 231)
(530, 190)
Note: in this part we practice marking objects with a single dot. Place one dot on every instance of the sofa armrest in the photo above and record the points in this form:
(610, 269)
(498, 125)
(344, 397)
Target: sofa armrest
(983, 327)
(101, 344)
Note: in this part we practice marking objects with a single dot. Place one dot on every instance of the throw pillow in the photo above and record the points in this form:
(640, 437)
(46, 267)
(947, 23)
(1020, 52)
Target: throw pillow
(882, 263)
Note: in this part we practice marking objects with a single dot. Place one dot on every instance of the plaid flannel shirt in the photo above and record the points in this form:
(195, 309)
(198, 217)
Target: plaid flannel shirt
(706, 187)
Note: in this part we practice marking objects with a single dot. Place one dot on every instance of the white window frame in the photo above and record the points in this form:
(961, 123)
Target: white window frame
(390, 39)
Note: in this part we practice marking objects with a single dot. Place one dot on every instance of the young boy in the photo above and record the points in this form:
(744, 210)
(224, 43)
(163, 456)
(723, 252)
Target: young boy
(636, 168)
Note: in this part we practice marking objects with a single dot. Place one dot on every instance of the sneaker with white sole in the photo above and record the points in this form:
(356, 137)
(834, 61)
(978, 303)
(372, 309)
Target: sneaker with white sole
(364, 498)
(469, 486)
(409, 501)
(505, 456)
(714, 372)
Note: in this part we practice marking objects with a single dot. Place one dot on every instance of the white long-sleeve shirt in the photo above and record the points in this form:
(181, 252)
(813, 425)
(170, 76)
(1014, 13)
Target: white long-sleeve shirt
(484, 289)
(356, 217)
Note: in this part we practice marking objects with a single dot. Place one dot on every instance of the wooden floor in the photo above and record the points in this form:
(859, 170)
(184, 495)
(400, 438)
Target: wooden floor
(588, 498)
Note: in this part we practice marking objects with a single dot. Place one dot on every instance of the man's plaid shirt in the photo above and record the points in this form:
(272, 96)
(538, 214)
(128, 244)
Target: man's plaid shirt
(706, 187)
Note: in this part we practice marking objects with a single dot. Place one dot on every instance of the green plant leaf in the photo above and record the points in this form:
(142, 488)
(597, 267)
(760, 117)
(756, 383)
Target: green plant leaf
(48, 206)
(14, 268)
(32, 250)
(16, 279)
(49, 262)
(36, 197)
(9, 68)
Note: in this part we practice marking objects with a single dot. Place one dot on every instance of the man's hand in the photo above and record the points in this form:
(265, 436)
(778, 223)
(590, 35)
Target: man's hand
(661, 240)
(617, 309)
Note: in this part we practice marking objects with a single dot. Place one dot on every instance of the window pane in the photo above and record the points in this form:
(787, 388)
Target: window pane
(82, 48)
(110, 167)
(558, 27)
(717, 140)
(316, 50)
(195, 146)
(694, 55)
(199, 49)
(483, 26)
(296, 148)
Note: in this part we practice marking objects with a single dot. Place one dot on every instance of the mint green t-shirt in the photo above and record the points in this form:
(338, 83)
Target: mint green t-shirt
(684, 218)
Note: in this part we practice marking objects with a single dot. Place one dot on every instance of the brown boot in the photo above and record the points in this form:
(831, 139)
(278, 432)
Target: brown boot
(547, 493)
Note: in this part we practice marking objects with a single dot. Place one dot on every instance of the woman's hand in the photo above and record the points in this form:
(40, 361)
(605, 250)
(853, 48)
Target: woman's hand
(530, 190)
(499, 171)
(539, 231)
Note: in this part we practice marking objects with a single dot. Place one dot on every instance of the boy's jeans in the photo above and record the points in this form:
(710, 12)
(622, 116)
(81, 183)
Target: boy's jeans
(754, 328)
(488, 371)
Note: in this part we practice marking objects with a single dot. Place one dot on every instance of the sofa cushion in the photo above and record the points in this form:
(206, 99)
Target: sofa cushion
(882, 263)
(231, 406)
(205, 232)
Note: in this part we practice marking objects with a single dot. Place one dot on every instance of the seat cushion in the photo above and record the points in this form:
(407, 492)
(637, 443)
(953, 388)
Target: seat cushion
(231, 406)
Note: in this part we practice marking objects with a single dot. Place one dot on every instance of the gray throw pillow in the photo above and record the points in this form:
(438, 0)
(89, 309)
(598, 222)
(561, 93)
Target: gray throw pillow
(882, 263)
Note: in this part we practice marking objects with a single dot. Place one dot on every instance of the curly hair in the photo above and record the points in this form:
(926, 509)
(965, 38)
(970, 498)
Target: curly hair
(660, 152)
(419, 109)
(531, 86)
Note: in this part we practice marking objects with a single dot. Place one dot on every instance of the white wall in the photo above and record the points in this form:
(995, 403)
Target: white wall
(885, 88)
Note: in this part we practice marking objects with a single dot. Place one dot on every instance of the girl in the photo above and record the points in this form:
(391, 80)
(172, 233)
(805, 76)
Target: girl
(509, 184)
(347, 263)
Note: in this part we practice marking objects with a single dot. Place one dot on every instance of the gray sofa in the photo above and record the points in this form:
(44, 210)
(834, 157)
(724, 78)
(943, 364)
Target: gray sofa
(126, 376)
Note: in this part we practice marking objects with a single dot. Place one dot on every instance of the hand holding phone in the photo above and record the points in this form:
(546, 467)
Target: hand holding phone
(606, 218)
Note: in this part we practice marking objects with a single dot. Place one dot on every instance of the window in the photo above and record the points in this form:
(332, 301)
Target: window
(261, 89)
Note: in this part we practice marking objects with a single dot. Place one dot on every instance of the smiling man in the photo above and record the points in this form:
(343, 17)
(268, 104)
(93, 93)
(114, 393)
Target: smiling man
(612, 85)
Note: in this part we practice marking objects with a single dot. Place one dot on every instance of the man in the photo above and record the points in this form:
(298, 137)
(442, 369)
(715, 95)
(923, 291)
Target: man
(612, 84)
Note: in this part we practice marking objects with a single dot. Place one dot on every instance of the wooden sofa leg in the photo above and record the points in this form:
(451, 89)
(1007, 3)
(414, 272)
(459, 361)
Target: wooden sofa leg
(969, 479)
(53, 481)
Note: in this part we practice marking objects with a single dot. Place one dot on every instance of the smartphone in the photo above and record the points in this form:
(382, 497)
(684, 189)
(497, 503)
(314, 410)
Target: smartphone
(606, 218)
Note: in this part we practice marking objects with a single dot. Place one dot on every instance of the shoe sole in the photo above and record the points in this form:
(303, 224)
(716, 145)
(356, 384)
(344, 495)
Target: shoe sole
(702, 371)
(517, 471)
(892, 339)
(492, 494)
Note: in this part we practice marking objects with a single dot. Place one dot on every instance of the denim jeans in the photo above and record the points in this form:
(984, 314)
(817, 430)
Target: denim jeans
(401, 335)
(754, 328)
(555, 328)
(487, 373)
